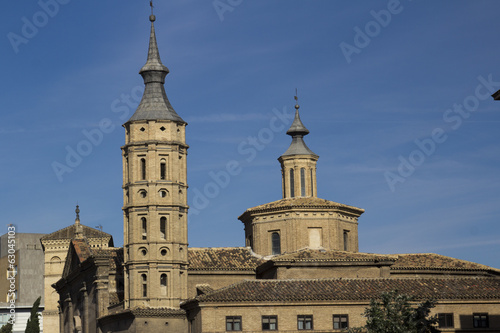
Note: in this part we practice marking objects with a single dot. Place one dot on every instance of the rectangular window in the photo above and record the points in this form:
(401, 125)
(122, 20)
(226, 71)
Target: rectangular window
(340, 322)
(305, 322)
(269, 323)
(233, 323)
(481, 320)
(445, 320)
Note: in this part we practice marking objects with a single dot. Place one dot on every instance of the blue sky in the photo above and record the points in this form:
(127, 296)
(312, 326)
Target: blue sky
(396, 97)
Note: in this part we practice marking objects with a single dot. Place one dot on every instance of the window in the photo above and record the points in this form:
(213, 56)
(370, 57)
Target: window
(303, 182)
(144, 285)
(163, 227)
(163, 169)
(292, 185)
(305, 322)
(312, 184)
(269, 323)
(144, 228)
(445, 320)
(233, 323)
(340, 322)
(275, 243)
(346, 240)
(143, 169)
(481, 320)
(163, 284)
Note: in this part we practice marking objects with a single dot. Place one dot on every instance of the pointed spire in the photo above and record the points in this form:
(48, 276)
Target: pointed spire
(297, 131)
(154, 104)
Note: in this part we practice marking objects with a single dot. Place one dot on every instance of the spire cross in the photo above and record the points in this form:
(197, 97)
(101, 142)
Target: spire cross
(296, 95)
(152, 7)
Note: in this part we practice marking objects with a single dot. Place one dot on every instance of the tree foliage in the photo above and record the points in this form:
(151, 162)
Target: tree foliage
(7, 328)
(394, 313)
(33, 325)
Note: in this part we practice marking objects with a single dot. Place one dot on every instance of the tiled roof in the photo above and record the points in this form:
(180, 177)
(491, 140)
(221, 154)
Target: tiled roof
(82, 249)
(157, 312)
(436, 261)
(353, 290)
(69, 233)
(308, 202)
(306, 255)
(226, 258)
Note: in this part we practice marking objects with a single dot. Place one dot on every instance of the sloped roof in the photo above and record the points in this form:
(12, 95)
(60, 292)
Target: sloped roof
(306, 255)
(358, 289)
(82, 249)
(436, 261)
(304, 202)
(225, 258)
(69, 233)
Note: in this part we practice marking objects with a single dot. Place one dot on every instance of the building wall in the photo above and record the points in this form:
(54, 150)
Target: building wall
(212, 318)
(295, 226)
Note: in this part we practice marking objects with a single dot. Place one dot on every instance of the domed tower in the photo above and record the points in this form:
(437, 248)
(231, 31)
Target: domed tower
(155, 195)
(300, 219)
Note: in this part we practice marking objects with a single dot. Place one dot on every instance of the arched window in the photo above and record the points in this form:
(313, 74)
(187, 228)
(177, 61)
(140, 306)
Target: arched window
(143, 169)
(292, 184)
(276, 243)
(163, 284)
(163, 169)
(302, 182)
(346, 240)
(312, 184)
(144, 228)
(144, 285)
(163, 227)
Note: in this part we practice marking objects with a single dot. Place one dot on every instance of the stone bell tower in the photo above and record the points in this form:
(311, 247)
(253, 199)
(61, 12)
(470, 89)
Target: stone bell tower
(155, 195)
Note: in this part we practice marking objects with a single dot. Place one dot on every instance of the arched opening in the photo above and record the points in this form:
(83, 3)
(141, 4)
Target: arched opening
(302, 182)
(163, 227)
(163, 284)
(312, 184)
(163, 169)
(143, 169)
(292, 184)
(144, 228)
(144, 285)
(275, 243)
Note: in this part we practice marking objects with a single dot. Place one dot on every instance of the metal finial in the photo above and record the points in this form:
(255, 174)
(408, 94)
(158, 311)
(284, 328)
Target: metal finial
(296, 97)
(152, 18)
(77, 211)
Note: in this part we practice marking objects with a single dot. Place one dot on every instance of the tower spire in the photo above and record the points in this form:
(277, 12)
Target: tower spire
(298, 163)
(154, 104)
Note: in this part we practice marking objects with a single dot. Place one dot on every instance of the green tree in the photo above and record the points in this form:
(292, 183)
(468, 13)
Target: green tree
(394, 313)
(33, 325)
(7, 328)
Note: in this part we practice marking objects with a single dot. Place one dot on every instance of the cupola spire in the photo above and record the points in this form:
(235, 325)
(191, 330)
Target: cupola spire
(154, 104)
(297, 131)
(298, 163)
